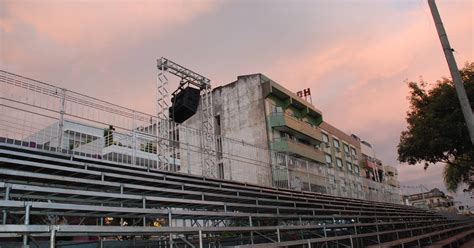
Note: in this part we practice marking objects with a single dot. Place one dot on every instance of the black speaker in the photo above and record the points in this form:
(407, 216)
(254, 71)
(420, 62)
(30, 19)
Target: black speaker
(184, 104)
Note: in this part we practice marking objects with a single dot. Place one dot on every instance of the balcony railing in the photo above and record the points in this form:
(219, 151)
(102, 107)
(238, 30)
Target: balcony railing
(307, 151)
(286, 121)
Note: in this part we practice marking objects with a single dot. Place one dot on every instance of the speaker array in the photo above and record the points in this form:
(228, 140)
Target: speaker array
(184, 104)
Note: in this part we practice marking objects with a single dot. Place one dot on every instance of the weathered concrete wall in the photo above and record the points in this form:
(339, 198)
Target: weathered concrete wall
(240, 107)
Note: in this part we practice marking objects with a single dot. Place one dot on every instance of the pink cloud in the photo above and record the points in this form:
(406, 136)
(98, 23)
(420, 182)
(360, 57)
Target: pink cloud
(379, 67)
(78, 23)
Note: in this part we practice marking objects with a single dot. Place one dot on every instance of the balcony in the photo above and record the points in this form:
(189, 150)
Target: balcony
(285, 122)
(299, 149)
(392, 182)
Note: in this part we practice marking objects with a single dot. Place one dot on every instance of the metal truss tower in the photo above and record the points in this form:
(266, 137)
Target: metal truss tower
(207, 142)
(163, 122)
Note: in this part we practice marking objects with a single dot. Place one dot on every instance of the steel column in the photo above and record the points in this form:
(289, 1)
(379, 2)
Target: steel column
(27, 222)
(52, 238)
(7, 197)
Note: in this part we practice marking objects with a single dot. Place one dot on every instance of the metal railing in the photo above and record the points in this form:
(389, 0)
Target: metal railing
(38, 115)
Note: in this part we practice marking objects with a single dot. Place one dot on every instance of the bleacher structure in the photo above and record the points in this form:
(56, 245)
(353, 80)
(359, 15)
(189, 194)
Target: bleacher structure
(77, 201)
(61, 188)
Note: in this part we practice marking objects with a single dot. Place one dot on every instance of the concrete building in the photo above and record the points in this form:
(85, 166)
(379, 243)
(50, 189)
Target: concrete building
(302, 151)
(391, 175)
(342, 155)
(264, 135)
(434, 199)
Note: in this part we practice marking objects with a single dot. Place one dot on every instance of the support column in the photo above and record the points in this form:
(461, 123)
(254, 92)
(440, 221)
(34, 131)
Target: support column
(309, 179)
(169, 224)
(61, 120)
(7, 197)
(144, 206)
(200, 238)
(278, 234)
(52, 238)
(287, 171)
(251, 233)
(27, 222)
(377, 228)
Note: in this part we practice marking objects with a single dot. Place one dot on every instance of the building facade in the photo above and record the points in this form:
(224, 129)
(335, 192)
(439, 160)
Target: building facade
(434, 199)
(264, 135)
(302, 151)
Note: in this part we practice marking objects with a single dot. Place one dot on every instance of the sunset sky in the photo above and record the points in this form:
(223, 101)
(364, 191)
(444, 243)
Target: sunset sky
(355, 55)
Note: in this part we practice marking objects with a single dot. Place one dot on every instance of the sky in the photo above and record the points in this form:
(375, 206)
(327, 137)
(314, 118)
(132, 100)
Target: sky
(356, 55)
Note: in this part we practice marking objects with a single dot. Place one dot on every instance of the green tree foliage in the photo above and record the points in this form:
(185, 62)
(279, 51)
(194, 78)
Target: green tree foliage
(437, 131)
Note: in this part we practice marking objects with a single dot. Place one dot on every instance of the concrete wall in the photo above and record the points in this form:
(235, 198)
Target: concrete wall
(245, 156)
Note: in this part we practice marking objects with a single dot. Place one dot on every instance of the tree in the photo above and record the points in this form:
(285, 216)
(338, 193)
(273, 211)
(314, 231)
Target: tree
(437, 131)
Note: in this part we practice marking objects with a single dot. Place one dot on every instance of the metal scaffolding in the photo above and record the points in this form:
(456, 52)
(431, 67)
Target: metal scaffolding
(164, 123)
(207, 143)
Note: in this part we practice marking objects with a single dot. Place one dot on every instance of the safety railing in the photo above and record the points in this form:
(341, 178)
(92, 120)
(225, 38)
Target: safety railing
(38, 115)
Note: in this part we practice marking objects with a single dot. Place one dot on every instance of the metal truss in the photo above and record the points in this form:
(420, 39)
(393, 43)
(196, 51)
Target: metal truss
(207, 142)
(163, 122)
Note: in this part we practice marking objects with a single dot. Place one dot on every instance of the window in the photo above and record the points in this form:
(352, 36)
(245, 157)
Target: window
(332, 179)
(353, 151)
(336, 143)
(346, 148)
(339, 162)
(349, 166)
(276, 109)
(343, 183)
(356, 169)
(328, 158)
(325, 138)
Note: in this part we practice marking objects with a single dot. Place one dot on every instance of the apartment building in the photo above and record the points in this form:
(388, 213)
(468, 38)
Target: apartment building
(264, 135)
(304, 152)
(342, 155)
(434, 199)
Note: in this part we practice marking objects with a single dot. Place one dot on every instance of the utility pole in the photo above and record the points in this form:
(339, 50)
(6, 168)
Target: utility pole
(453, 68)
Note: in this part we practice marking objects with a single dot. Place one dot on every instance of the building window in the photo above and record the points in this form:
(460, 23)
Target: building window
(332, 179)
(325, 138)
(343, 183)
(220, 171)
(356, 169)
(349, 166)
(336, 143)
(339, 162)
(328, 158)
(346, 148)
(276, 109)
(353, 151)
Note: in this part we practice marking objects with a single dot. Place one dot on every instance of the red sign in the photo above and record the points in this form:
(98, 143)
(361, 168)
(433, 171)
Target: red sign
(306, 92)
